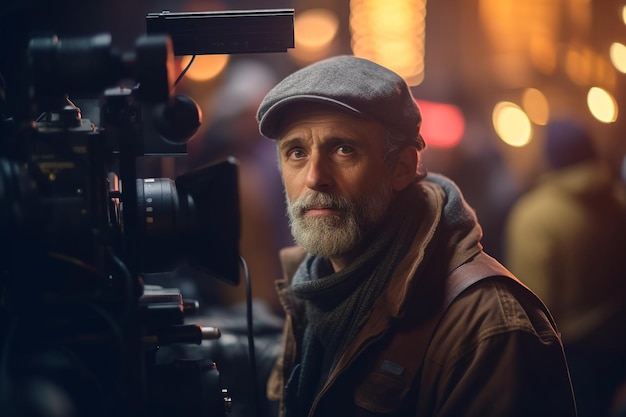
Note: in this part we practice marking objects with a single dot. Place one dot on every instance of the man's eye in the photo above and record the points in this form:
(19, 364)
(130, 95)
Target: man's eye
(295, 154)
(345, 150)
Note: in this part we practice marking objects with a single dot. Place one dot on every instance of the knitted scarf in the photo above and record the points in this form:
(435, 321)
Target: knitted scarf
(336, 303)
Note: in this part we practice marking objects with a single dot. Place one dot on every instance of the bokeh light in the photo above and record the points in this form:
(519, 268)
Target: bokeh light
(204, 67)
(511, 124)
(314, 30)
(617, 54)
(536, 106)
(602, 105)
(443, 124)
(391, 33)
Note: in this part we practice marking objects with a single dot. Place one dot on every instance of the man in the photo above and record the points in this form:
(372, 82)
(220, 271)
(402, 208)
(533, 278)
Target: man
(368, 327)
(565, 240)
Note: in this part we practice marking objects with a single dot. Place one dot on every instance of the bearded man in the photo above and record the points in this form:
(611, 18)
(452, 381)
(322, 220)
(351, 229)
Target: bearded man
(392, 307)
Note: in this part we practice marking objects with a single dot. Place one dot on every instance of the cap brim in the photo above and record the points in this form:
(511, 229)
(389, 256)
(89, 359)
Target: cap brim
(271, 121)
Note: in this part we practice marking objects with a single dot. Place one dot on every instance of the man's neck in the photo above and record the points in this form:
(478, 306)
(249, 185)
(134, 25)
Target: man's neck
(343, 261)
(339, 263)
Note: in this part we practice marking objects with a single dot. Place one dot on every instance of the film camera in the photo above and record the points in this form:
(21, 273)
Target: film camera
(80, 332)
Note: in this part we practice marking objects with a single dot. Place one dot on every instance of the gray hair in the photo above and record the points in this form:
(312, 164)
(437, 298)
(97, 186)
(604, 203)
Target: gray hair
(395, 142)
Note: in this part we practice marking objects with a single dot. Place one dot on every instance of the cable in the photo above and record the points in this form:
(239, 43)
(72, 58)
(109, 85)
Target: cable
(250, 332)
(184, 71)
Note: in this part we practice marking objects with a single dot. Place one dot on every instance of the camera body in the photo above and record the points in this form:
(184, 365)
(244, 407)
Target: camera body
(80, 331)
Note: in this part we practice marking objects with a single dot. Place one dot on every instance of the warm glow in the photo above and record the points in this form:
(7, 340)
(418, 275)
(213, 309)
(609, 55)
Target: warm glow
(521, 35)
(618, 56)
(391, 33)
(543, 54)
(578, 65)
(511, 124)
(605, 73)
(546, 36)
(536, 106)
(443, 124)
(315, 28)
(624, 14)
(497, 19)
(602, 105)
(579, 15)
(204, 67)
(314, 31)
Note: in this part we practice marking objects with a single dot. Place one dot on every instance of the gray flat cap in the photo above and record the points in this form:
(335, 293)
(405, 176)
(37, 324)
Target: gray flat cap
(351, 84)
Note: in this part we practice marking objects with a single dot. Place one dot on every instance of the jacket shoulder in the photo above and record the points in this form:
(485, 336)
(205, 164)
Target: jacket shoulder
(497, 304)
(497, 335)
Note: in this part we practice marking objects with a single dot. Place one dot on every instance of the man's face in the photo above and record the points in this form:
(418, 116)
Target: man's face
(336, 181)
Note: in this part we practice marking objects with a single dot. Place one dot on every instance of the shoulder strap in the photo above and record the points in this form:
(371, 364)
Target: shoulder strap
(482, 266)
(383, 390)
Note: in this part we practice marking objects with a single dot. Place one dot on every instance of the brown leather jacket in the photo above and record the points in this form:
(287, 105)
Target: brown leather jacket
(495, 352)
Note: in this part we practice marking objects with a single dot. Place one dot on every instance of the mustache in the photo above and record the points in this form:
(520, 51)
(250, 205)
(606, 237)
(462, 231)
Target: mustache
(317, 200)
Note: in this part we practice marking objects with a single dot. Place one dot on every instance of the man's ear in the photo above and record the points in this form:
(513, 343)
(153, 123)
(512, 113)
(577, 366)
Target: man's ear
(405, 168)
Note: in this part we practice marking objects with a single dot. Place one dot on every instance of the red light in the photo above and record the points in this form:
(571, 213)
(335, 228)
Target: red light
(443, 124)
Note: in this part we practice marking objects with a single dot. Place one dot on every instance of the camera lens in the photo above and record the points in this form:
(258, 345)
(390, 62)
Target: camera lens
(193, 221)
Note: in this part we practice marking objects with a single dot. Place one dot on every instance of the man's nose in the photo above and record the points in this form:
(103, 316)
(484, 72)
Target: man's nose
(319, 175)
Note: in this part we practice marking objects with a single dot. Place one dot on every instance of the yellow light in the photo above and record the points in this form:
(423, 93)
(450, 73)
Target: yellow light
(624, 14)
(602, 105)
(511, 124)
(618, 56)
(536, 106)
(205, 67)
(315, 28)
(391, 33)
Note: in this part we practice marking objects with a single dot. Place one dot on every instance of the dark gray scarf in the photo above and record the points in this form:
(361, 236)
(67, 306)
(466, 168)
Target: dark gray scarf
(337, 303)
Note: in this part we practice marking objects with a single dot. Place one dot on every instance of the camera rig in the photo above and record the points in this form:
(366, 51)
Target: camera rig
(80, 331)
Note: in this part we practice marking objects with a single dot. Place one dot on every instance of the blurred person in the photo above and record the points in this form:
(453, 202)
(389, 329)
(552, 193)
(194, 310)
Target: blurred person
(566, 239)
(490, 190)
(386, 311)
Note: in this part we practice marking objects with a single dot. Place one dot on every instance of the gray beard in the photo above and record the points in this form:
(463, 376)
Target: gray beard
(336, 235)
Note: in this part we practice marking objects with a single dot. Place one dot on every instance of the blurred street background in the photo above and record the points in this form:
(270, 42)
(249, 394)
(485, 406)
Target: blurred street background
(489, 76)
